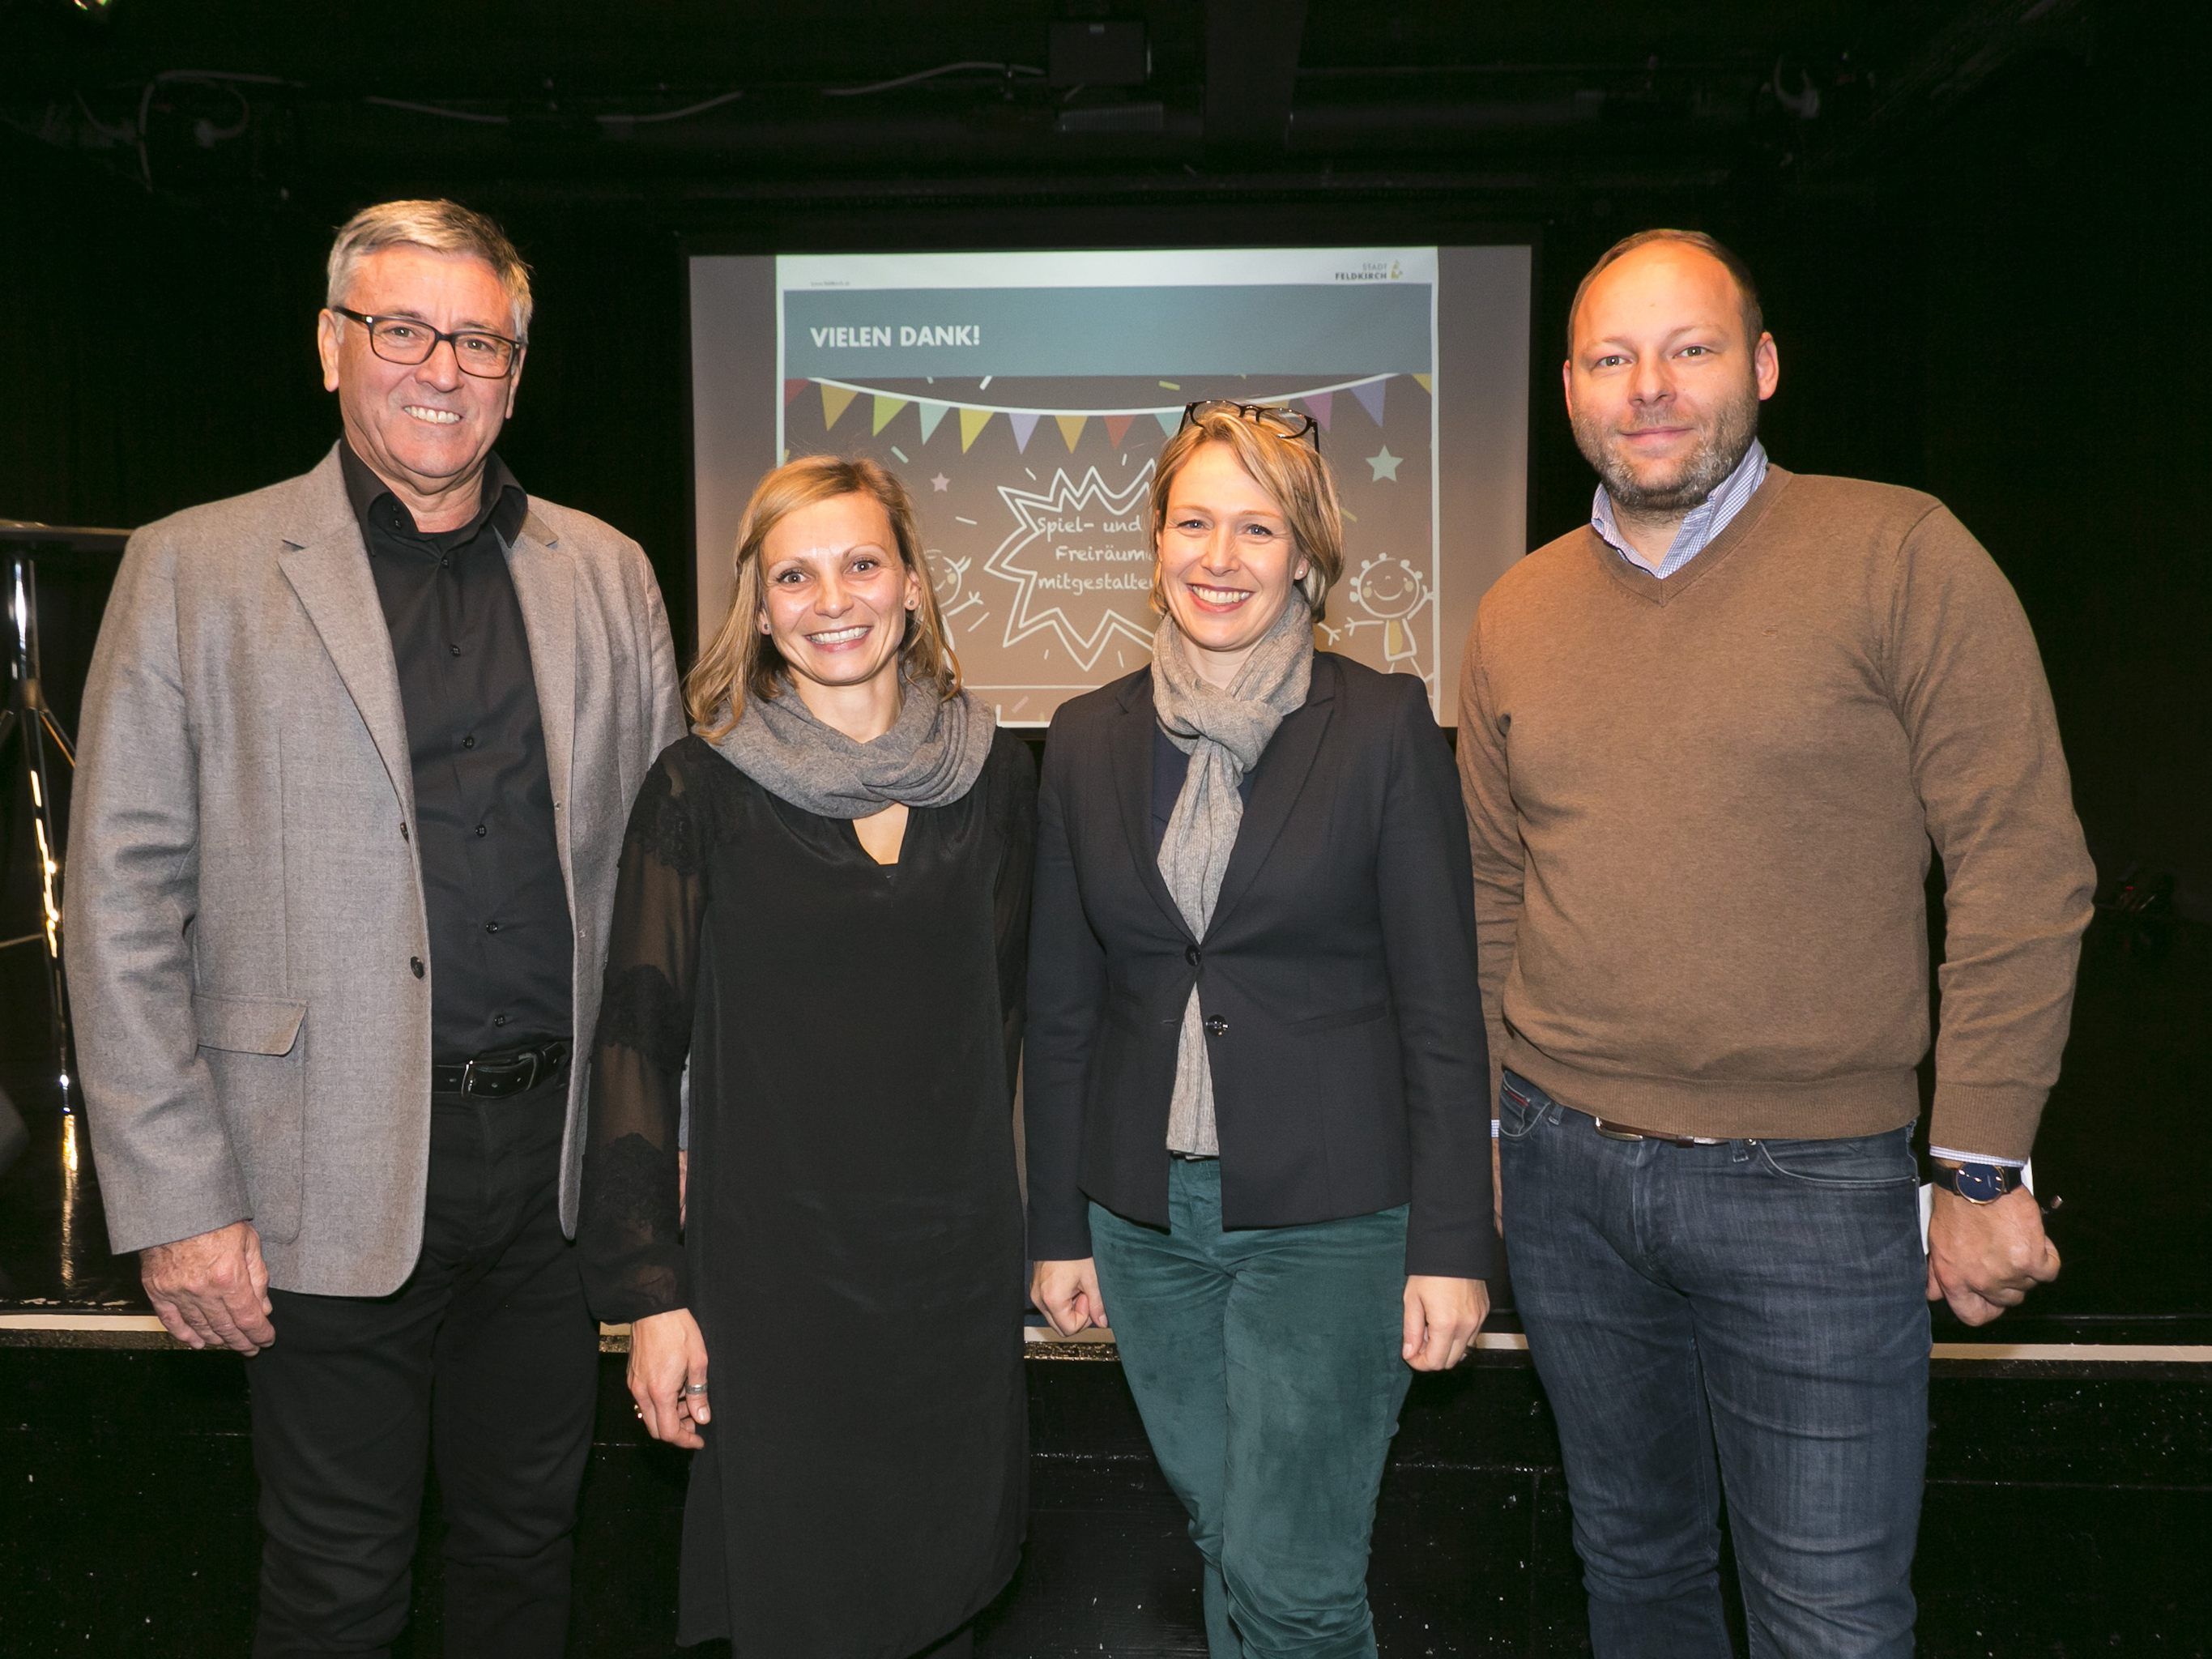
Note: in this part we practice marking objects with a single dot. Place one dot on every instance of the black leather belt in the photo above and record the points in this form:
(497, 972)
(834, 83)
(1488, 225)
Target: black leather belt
(495, 1077)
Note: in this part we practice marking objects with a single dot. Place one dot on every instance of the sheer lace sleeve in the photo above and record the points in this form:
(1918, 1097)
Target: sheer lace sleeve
(1016, 812)
(628, 1232)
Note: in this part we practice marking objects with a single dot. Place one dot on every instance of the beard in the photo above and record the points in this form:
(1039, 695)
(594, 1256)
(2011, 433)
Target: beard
(1720, 449)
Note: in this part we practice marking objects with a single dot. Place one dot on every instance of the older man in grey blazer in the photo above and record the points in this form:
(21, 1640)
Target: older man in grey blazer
(358, 749)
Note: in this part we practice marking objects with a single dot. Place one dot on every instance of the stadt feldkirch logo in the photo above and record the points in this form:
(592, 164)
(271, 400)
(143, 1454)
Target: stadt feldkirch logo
(1372, 270)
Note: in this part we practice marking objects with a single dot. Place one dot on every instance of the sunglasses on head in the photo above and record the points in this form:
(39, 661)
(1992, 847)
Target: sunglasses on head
(1288, 424)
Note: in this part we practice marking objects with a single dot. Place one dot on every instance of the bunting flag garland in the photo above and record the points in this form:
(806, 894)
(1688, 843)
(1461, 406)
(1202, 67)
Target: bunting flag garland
(884, 407)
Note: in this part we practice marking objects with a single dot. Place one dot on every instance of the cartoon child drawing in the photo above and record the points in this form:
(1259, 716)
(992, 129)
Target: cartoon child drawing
(949, 576)
(1390, 592)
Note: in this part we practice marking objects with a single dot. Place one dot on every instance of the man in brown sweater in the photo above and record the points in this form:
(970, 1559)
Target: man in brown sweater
(1706, 745)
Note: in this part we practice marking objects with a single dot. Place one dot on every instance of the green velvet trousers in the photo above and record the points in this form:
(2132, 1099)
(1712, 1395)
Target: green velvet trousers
(1265, 1364)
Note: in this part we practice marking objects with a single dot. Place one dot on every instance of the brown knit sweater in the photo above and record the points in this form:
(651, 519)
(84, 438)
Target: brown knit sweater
(1701, 811)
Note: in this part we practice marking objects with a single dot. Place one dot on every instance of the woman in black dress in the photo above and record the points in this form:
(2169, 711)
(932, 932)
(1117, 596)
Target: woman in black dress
(822, 907)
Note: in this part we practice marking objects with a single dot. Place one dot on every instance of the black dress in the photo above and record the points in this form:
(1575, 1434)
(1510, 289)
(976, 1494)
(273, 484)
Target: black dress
(854, 1252)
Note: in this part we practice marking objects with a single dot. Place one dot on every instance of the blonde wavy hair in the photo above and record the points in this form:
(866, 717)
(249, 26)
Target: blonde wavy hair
(741, 661)
(1288, 468)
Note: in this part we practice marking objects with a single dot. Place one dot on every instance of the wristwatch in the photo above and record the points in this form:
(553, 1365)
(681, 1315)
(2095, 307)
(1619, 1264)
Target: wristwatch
(1978, 1183)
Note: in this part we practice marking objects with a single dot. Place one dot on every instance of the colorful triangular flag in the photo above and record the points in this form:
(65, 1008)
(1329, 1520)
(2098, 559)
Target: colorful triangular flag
(1370, 394)
(792, 389)
(972, 422)
(1023, 425)
(1170, 420)
(1070, 429)
(1117, 426)
(1426, 382)
(931, 414)
(835, 400)
(886, 409)
(1319, 402)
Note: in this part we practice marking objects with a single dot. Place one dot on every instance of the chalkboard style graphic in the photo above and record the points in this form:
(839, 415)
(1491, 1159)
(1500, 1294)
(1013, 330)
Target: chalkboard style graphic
(1080, 565)
(1024, 398)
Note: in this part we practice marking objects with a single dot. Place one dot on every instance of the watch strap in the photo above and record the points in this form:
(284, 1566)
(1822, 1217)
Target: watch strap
(1979, 1183)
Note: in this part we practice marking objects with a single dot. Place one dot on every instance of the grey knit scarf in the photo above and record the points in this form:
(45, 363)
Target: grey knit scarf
(932, 754)
(1224, 732)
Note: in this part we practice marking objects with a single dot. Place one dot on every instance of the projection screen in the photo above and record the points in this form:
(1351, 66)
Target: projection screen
(1024, 396)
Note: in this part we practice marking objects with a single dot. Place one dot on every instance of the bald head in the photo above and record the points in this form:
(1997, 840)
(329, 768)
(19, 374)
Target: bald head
(1653, 243)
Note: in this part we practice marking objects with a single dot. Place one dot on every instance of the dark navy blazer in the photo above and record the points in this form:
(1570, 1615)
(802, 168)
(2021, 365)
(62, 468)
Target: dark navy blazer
(1337, 979)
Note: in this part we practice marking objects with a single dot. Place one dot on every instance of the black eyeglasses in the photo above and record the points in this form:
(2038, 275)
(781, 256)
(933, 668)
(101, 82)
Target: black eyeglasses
(410, 340)
(1286, 423)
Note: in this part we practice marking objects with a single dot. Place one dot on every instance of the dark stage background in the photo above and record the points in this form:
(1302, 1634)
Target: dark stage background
(1983, 255)
(1975, 226)
(1984, 259)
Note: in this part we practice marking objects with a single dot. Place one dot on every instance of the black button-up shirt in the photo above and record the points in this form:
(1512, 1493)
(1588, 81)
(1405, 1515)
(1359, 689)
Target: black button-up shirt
(499, 933)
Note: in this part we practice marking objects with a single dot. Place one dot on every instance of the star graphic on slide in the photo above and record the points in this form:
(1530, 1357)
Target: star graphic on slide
(1385, 465)
(1025, 558)
(940, 483)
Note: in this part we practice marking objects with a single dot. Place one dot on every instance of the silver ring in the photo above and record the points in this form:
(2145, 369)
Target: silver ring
(694, 1388)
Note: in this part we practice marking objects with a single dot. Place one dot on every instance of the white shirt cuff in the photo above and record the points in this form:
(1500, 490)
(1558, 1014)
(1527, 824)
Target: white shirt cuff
(1977, 1157)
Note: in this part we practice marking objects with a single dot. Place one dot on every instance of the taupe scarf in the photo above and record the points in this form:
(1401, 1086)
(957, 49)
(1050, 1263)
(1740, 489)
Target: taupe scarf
(1224, 732)
(932, 754)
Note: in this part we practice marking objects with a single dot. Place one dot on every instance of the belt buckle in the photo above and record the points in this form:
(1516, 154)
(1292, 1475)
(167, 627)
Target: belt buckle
(500, 1088)
(495, 1080)
(1611, 1133)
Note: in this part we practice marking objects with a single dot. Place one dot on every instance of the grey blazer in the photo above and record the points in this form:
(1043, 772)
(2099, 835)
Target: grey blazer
(245, 931)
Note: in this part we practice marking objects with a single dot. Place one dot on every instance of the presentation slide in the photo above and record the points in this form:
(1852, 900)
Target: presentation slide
(1023, 399)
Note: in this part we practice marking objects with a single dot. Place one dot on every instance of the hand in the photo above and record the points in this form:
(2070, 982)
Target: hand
(211, 1288)
(1067, 1293)
(1985, 1258)
(667, 1354)
(1497, 1188)
(683, 1186)
(1442, 1316)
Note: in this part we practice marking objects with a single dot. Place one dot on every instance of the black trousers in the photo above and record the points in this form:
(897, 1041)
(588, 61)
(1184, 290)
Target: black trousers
(488, 1358)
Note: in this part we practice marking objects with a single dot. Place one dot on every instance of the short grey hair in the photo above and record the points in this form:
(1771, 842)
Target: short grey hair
(443, 227)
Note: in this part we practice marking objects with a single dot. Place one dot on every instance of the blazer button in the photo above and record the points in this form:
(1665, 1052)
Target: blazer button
(1216, 1026)
(415, 962)
(1190, 955)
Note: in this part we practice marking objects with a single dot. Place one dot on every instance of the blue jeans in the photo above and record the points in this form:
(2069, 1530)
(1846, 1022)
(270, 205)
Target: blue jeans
(1265, 1366)
(1747, 1319)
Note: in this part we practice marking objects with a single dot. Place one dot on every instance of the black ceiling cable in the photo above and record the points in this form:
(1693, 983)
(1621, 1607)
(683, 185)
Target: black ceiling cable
(1007, 70)
(480, 118)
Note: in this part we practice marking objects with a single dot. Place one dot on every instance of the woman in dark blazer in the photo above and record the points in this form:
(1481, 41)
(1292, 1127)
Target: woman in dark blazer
(1256, 1075)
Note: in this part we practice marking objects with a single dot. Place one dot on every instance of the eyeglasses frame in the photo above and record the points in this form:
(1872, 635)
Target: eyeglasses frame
(438, 338)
